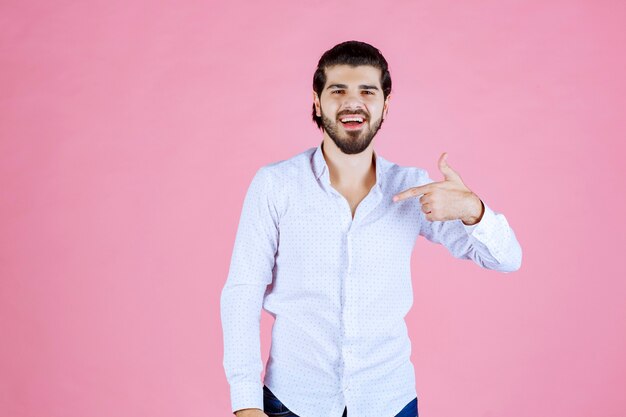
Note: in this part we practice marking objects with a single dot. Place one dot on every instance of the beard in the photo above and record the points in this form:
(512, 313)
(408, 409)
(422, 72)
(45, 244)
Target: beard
(351, 141)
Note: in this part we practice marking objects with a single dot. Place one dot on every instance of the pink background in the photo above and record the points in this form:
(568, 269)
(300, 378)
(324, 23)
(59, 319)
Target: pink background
(130, 130)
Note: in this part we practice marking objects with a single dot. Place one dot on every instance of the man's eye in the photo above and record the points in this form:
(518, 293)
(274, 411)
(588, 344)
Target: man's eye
(341, 91)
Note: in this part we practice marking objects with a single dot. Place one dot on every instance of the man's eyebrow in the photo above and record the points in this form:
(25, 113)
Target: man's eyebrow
(362, 86)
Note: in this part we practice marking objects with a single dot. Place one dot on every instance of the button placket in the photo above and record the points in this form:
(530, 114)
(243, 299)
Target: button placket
(350, 224)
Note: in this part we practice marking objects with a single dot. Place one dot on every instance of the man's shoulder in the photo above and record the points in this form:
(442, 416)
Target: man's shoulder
(284, 178)
(289, 169)
(402, 174)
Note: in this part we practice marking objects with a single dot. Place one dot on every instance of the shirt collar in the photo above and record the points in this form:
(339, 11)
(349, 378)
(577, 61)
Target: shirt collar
(320, 167)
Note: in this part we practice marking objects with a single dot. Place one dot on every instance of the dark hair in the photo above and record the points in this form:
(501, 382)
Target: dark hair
(351, 53)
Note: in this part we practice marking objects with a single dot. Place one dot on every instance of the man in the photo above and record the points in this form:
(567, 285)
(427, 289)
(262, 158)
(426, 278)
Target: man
(324, 245)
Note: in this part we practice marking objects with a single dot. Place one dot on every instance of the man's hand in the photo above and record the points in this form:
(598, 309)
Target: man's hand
(250, 412)
(449, 199)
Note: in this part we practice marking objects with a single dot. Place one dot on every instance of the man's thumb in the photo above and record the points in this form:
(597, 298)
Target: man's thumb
(448, 173)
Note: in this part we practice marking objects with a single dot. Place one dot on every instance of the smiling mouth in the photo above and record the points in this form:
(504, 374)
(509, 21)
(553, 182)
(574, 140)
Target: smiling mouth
(352, 122)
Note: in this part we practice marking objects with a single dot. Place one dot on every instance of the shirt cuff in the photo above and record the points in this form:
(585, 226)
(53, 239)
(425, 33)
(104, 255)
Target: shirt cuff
(470, 227)
(485, 226)
(246, 395)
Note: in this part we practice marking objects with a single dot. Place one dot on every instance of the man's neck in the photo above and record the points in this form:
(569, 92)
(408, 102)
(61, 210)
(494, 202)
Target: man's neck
(357, 170)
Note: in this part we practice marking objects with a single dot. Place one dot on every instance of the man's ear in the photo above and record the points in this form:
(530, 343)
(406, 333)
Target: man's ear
(316, 102)
(386, 106)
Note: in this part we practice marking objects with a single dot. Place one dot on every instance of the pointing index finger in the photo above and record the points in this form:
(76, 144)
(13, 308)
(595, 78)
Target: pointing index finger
(414, 191)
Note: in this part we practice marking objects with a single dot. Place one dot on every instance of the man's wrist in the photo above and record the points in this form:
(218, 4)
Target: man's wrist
(476, 213)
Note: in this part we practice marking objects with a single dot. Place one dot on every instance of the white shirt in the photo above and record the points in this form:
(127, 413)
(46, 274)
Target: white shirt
(338, 288)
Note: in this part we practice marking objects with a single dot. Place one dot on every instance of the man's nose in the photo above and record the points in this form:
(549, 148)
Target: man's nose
(353, 100)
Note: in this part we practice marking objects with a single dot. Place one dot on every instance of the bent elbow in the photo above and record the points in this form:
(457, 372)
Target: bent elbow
(514, 263)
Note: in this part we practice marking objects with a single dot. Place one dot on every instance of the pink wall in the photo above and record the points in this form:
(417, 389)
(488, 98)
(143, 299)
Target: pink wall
(129, 132)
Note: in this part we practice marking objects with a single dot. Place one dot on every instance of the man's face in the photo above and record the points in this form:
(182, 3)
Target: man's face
(356, 92)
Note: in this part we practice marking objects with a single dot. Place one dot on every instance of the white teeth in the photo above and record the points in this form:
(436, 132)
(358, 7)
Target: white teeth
(352, 119)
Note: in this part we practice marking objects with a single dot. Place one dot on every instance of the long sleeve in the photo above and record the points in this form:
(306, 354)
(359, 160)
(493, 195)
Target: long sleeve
(241, 300)
(490, 243)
